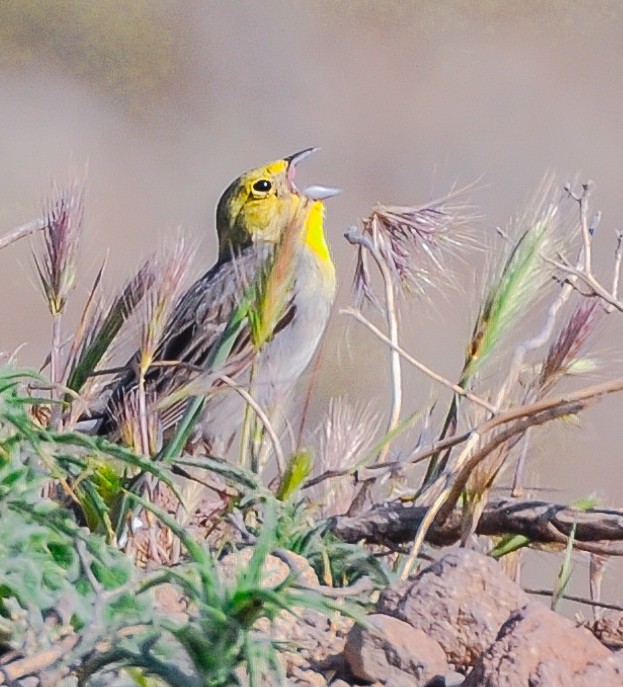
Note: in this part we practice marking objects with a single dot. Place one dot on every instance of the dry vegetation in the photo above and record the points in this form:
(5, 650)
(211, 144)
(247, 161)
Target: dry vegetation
(92, 527)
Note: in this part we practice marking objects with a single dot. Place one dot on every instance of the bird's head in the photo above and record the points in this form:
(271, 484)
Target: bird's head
(258, 206)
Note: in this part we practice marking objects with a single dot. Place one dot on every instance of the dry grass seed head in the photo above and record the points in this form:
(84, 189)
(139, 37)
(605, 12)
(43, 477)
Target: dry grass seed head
(130, 425)
(415, 243)
(520, 284)
(170, 266)
(346, 435)
(56, 265)
(572, 339)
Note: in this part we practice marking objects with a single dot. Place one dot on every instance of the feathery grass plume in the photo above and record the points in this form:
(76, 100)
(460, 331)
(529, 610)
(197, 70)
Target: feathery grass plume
(407, 245)
(513, 290)
(171, 266)
(99, 325)
(56, 265)
(412, 241)
(563, 355)
(517, 287)
(346, 435)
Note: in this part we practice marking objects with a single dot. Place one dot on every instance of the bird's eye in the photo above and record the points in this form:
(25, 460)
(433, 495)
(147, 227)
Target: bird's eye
(262, 186)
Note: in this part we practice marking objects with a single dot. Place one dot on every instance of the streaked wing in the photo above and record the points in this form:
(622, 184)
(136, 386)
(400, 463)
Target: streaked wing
(194, 329)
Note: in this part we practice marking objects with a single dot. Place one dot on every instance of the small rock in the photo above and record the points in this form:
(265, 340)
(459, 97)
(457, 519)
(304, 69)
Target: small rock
(307, 678)
(274, 570)
(454, 679)
(393, 653)
(461, 601)
(539, 648)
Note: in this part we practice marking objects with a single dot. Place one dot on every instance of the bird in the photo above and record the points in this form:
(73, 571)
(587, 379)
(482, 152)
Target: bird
(274, 260)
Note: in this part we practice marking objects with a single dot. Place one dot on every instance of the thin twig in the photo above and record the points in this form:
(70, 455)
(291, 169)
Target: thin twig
(391, 316)
(32, 665)
(618, 255)
(377, 471)
(21, 232)
(357, 315)
(522, 351)
(446, 489)
(142, 414)
(264, 419)
(577, 599)
(582, 201)
(516, 488)
(589, 280)
(55, 368)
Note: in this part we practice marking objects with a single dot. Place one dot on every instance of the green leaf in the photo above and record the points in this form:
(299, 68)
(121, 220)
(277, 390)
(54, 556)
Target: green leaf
(297, 471)
(509, 544)
(566, 568)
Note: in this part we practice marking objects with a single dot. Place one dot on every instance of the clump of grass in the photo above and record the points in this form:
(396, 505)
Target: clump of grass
(57, 270)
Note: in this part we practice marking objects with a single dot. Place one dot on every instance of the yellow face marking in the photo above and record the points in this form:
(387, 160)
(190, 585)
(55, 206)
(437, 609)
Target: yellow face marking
(275, 168)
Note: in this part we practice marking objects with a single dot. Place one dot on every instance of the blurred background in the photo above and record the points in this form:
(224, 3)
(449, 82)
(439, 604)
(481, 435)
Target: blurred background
(162, 103)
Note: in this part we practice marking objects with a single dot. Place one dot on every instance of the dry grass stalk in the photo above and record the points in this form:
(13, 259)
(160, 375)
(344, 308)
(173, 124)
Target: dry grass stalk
(57, 266)
(408, 246)
(171, 266)
(22, 231)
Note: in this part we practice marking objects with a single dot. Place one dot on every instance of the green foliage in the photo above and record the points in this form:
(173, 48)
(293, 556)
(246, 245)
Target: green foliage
(49, 566)
(219, 636)
(510, 294)
(100, 335)
(337, 563)
(509, 544)
(297, 471)
(59, 578)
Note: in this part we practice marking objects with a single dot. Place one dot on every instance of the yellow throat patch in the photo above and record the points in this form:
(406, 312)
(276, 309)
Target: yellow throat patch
(314, 232)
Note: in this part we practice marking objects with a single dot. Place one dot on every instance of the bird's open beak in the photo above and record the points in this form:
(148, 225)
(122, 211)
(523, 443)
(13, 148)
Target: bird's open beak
(315, 192)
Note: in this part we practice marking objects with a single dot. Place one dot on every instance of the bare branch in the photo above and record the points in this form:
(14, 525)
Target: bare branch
(444, 492)
(589, 281)
(577, 599)
(582, 201)
(543, 523)
(21, 232)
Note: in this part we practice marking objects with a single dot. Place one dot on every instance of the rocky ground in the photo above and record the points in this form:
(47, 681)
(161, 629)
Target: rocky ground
(460, 621)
